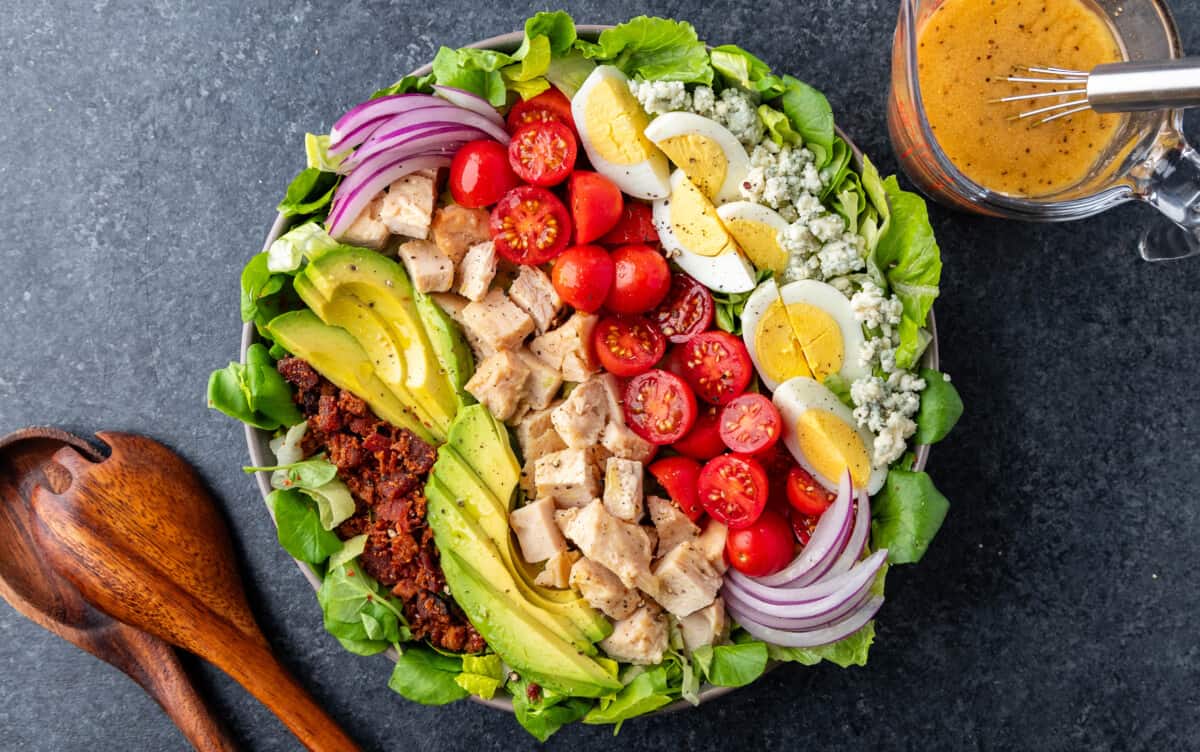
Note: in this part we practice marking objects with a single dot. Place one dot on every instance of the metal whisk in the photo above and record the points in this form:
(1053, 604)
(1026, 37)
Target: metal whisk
(1112, 87)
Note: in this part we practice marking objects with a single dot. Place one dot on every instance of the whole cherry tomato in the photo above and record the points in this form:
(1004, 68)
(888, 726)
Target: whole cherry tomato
(762, 548)
(595, 204)
(480, 174)
(641, 282)
(582, 276)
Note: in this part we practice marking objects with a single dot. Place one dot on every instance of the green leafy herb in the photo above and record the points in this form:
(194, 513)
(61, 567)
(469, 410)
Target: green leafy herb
(906, 515)
(653, 48)
(732, 665)
(941, 407)
(428, 677)
(253, 392)
(363, 616)
(299, 527)
(309, 193)
(812, 117)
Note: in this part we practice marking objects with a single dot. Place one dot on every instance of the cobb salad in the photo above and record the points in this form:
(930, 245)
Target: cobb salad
(594, 374)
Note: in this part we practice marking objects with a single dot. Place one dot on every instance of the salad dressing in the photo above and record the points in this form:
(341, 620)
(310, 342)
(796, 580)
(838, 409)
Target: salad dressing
(966, 48)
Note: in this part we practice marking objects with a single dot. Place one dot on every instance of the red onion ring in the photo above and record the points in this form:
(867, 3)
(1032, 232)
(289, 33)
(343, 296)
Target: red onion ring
(359, 122)
(469, 100)
(357, 191)
(826, 544)
(838, 630)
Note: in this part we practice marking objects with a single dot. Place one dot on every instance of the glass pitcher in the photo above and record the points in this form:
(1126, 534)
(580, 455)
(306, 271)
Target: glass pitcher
(1148, 160)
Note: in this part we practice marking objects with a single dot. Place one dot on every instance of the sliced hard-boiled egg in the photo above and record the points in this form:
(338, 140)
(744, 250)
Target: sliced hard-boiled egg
(612, 127)
(768, 334)
(821, 434)
(689, 227)
(824, 324)
(756, 229)
(712, 157)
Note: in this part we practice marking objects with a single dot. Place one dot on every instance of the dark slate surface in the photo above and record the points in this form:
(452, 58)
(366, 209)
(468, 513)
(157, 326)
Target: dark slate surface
(142, 148)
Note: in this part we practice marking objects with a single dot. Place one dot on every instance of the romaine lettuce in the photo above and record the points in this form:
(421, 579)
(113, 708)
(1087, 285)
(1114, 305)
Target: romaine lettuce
(653, 48)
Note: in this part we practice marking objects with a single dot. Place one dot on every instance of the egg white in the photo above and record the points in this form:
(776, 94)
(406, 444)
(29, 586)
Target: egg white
(829, 299)
(737, 162)
(749, 211)
(796, 396)
(727, 272)
(756, 306)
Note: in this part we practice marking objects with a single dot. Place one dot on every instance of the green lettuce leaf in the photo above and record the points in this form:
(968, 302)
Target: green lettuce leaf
(264, 294)
(557, 26)
(426, 676)
(653, 48)
(732, 665)
(906, 515)
(309, 193)
(738, 67)
(253, 392)
(422, 84)
(481, 675)
(363, 616)
(941, 407)
(568, 72)
(299, 527)
(811, 116)
(851, 651)
(542, 712)
(475, 70)
(649, 691)
(305, 241)
(306, 474)
(778, 126)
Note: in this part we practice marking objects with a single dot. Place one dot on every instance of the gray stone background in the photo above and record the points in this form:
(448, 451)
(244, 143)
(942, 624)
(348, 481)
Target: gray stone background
(143, 146)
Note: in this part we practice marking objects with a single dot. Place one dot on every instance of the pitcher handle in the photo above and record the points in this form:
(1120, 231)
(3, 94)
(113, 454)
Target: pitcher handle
(1172, 185)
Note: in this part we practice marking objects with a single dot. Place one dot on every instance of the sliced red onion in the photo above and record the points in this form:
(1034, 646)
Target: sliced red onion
(418, 138)
(439, 112)
(357, 191)
(819, 613)
(826, 544)
(858, 538)
(349, 129)
(469, 100)
(787, 595)
(838, 630)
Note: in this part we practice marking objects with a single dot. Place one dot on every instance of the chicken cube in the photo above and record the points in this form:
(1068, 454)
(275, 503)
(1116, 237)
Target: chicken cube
(557, 571)
(536, 436)
(568, 349)
(494, 320)
(564, 517)
(623, 548)
(569, 476)
(603, 590)
(454, 305)
(712, 543)
(581, 417)
(641, 638)
(623, 489)
(428, 267)
(368, 231)
(536, 531)
(456, 228)
(477, 270)
(533, 291)
(544, 382)
(687, 582)
(407, 207)
(498, 383)
(704, 627)
(672, 524)
(617, 437)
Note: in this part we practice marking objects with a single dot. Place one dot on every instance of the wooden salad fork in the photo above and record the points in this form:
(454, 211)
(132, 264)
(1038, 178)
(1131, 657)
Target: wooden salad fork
(36, 590)
(141, 539)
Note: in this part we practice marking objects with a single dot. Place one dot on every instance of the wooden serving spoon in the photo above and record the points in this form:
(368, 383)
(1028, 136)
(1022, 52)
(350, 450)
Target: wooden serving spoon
(142, 540)
(32, 587)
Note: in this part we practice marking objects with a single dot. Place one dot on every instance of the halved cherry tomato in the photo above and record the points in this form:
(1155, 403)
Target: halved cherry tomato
(679, 477)
(636, 225)
(582, 276)
(764, 547)
(595, 204)
(803, 526)
(703, 442)
(686, 311)
(717, 365)
(627, 345)
(805, 494)
(529, 225)
(642, 279)
(659, 406)
(551, 104)
(733, 489)
(750, 424)
(480, 174)
(543, 153)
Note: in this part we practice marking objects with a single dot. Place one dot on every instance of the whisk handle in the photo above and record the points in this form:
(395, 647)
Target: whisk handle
(1149, 85)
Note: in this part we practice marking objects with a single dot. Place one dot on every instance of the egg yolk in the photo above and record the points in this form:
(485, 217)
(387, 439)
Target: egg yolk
(760, 242)
(831, 446)
(820, 339)
(695, 222)
(778, 350)
(700, 158)
(616, 123)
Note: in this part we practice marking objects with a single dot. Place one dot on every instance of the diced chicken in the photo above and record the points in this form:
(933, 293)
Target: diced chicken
(533, 291)
(495, 321)
(368, 231)
(687, 582)
(498, 383)
(557, 572)
(455, 229)
(454, 305)
(569, 476)
(477, 270)
(603, 590)
(544, 382)
(564, 517)
(568, 349)
(704, 627)
(620, 546)
(536, 531)
(641, 638)
(429, 268)
(617, 437)
(623, 489)
(712, 543)
(407, 207)
(581, 417)
(672, 524)
(536, 436)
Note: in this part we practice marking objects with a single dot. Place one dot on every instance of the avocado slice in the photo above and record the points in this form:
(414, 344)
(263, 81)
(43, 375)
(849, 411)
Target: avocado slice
(455, 530)
(483, 442)
(449, 345)
(534, 651)
(337, 356)
(381, 284)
